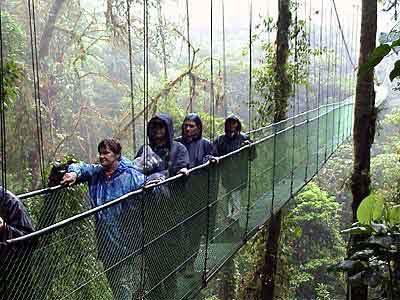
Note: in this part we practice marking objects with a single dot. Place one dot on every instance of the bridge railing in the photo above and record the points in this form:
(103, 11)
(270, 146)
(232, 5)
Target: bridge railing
(167, 240)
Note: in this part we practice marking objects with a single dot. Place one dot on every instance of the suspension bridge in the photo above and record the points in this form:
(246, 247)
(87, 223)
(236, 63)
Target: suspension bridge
(182, 222)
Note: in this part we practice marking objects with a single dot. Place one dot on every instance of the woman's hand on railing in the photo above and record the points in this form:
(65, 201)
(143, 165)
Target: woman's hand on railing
(69, 178)
(184, 171)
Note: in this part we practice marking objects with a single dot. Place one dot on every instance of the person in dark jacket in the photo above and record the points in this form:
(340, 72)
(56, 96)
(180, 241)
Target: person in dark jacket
(200, 151)
(174, 156)
(234, 171)
(163, 207)
(117, 227)
(15, 269)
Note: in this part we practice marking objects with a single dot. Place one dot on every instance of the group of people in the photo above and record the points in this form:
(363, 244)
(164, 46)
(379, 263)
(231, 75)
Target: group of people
(115, 175)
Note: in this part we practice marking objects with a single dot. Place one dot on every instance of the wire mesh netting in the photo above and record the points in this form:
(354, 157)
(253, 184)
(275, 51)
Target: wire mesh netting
(166, 241)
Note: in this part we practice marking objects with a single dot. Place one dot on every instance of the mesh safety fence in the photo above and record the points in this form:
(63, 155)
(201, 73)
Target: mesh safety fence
(166, 241)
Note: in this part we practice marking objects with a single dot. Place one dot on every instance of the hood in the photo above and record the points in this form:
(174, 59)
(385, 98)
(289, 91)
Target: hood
(167, 120)
(195, 118)
(124, 164)
(233, 117)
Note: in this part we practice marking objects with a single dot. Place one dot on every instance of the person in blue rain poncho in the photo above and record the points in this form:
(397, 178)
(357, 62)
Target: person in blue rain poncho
(118, 227)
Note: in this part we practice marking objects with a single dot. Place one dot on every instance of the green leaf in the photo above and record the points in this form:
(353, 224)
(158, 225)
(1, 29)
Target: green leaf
(394, 215)
(375, 58)
(298, 232)
(396, 71)
(370, 209)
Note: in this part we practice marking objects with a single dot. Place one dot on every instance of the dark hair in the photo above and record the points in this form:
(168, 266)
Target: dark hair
(112, 144)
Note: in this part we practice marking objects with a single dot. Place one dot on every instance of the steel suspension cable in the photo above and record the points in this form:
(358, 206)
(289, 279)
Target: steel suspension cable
(342, 34)
(341, 97)
(145, 121)
(328, 81)
(211, 167)
(294, 87)
(3, 114)
(224, 60)
(38, 88)
(128, 16)
(335, 83)
(189, 56)
(249, 164)
(352, 77)
(348, 83)
(307, 88)
(319, 81)
(36, 85)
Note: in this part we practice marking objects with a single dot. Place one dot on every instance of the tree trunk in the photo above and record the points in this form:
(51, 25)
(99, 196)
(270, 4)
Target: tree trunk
(282, 89)
(49, 28)
(161, 26)
(281, 95)
(364, 121)
(273, 233)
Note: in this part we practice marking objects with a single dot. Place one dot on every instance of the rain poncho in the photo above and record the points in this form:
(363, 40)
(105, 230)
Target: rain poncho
(115, 234)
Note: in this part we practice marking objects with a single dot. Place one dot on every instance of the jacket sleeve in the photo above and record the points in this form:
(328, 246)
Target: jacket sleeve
(18, 222)
(253, 151)
(137, 180)
(181, 159)
(85, 171)
(215, 147)
(209, 151)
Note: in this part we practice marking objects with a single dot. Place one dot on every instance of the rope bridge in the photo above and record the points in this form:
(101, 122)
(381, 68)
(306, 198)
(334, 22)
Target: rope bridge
(178, 223)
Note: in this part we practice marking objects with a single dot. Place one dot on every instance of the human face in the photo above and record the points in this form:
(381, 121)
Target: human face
(159, 133)
(190, 129)
(108, 159)
(232, 129)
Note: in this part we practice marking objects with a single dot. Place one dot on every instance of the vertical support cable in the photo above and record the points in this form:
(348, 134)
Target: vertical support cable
(212, 96)
(211, 167)
(335, 89)
(273, 170)
(142, 246)
(36, 85)
(128, 16)
(145, 120)
(38, 92)
(251, 148)
(189, 56)
(307, 90)
(352, 78)
(3, 114)
(340, 130)
(294, 83)
(328, 82)
(319, 82)
(224, 59)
